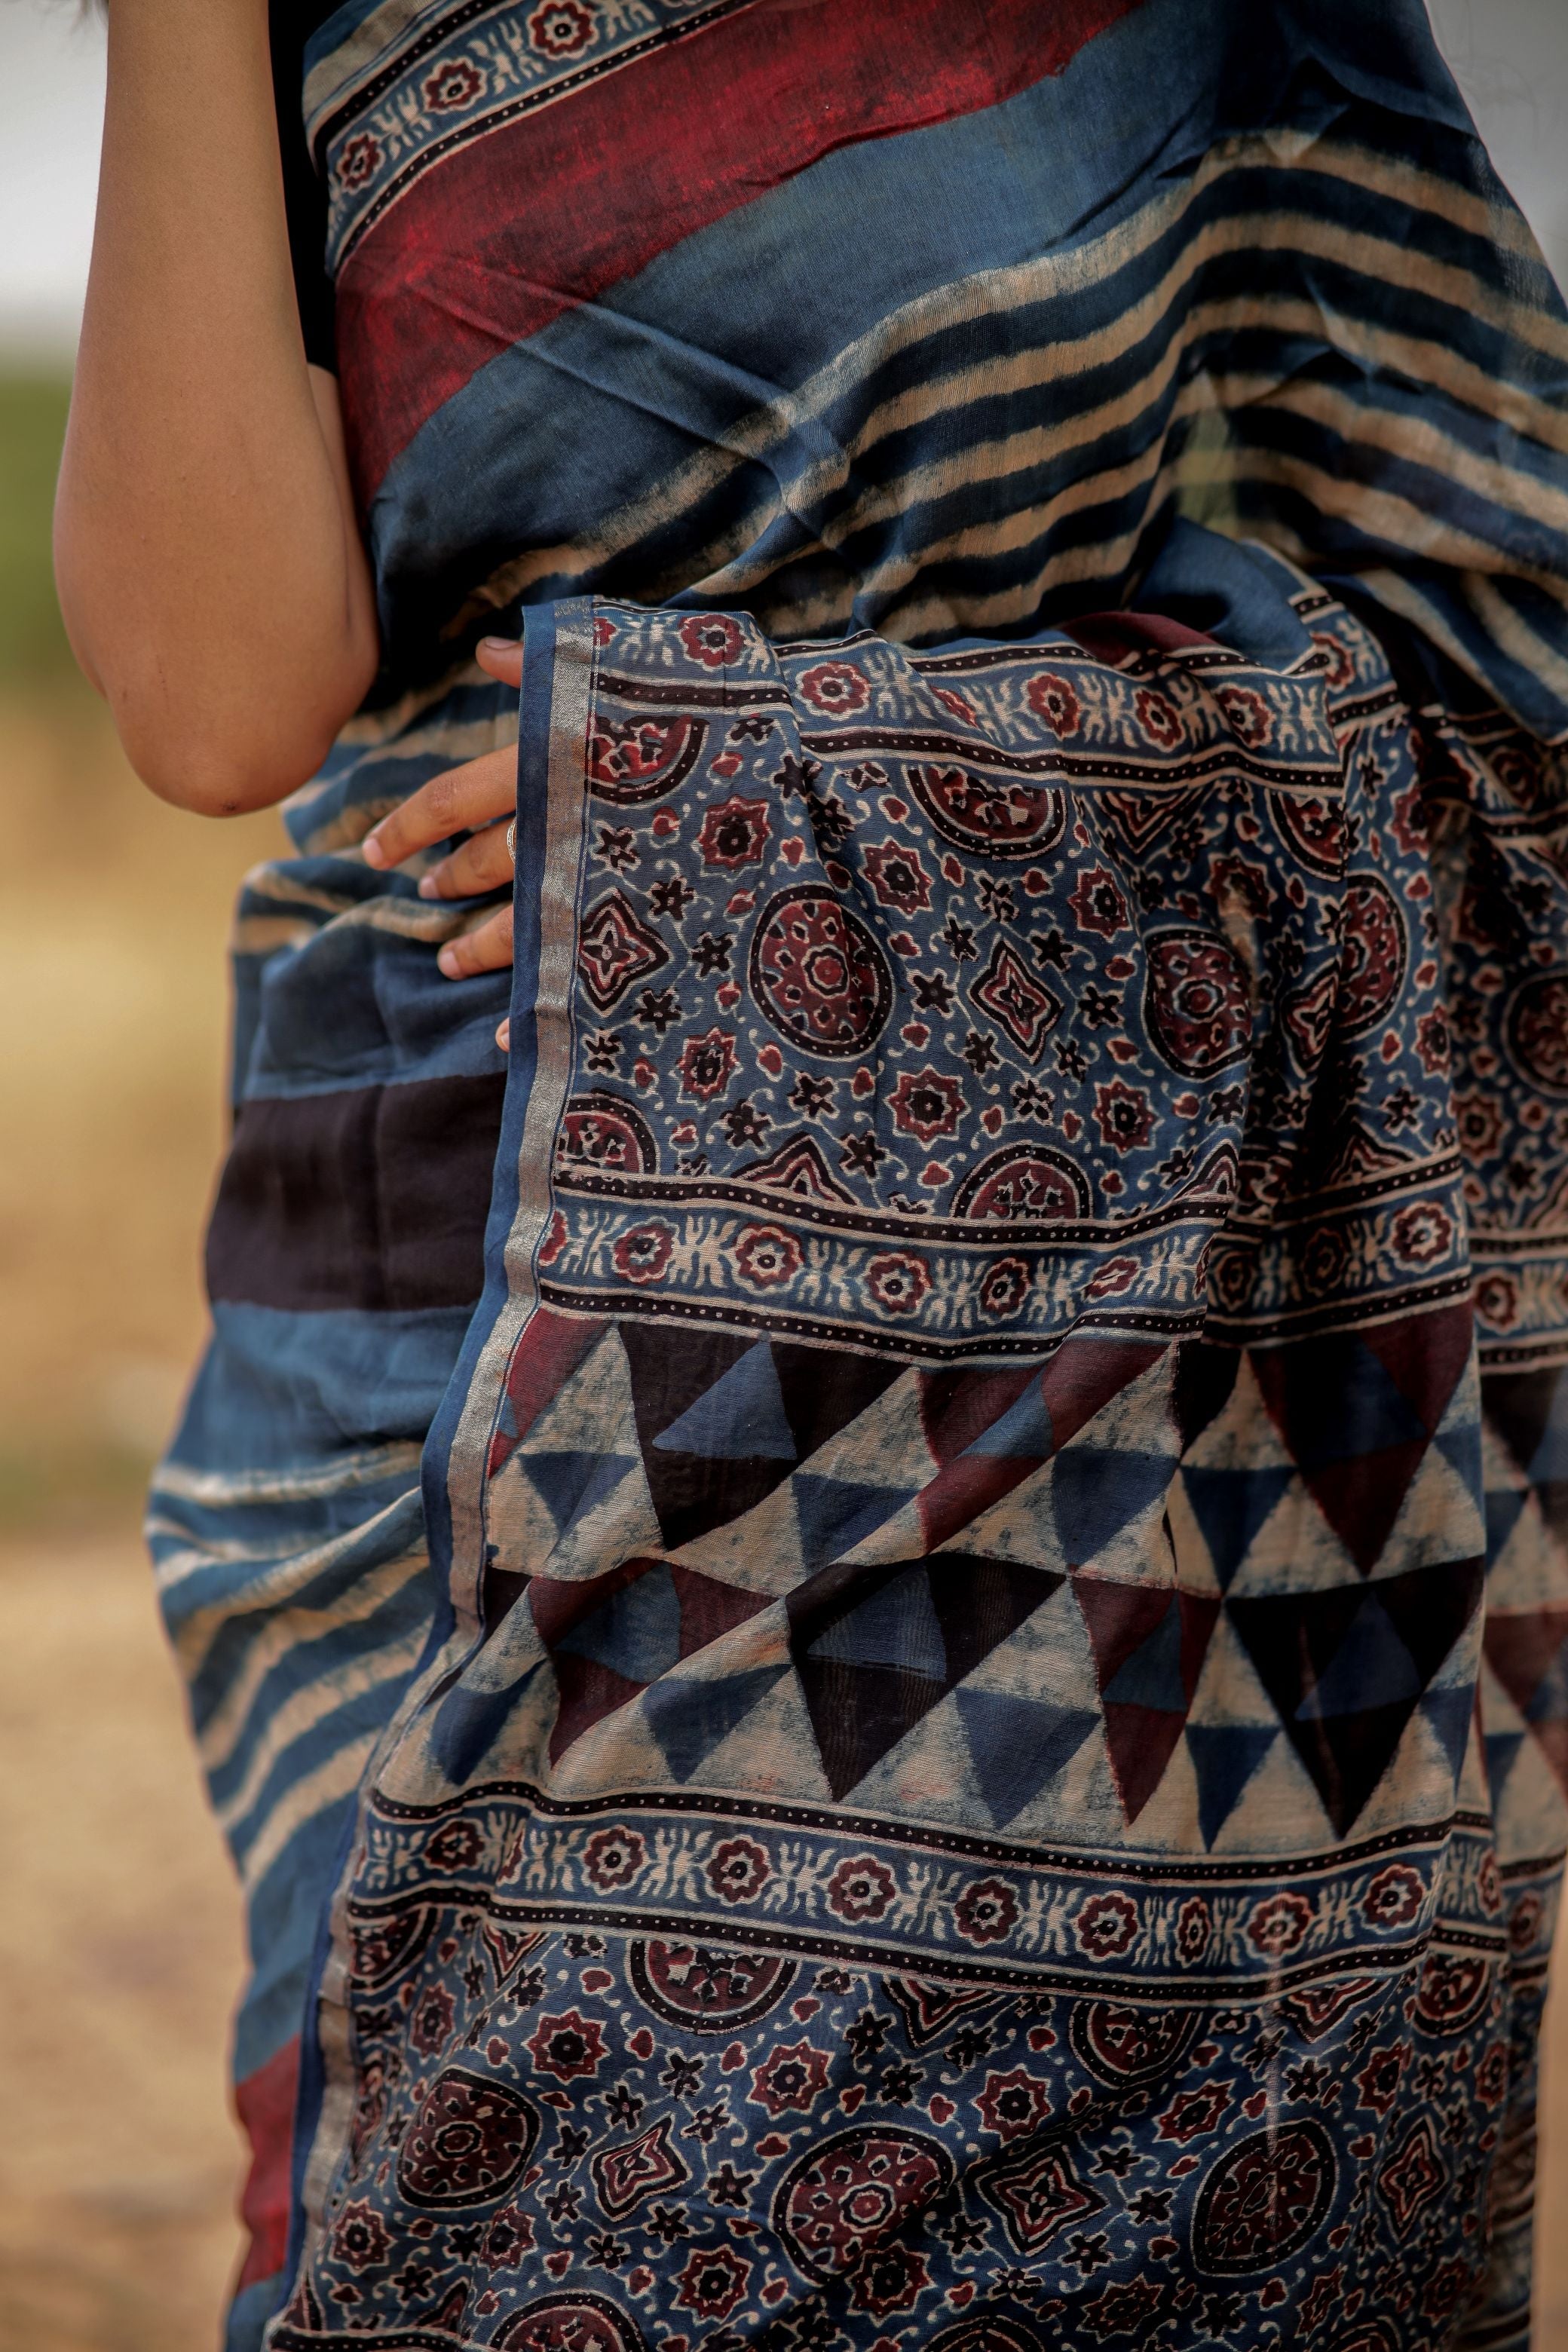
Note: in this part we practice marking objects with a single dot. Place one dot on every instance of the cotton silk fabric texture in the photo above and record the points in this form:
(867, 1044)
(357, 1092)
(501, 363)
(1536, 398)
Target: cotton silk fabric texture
(883, 1631)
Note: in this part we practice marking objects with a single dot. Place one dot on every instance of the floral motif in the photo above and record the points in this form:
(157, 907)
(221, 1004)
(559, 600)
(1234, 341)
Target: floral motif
(1277, 1926)
(562, 29)
(455, 83)
(736, 833)
(898, 1281)
(711, 638)
(567, 2046)
(1422, 1234)
(1158, 717)
(359, 2237)
(713, 2282)
(792, 2077)
(765, 1256)
(835, 687)
(456, 1845)
(1124, 1116)
(1246, 715)
(359, 160)
(614, 1857)
(738, 1869)
(861, 1887)
(1106, 1926)
(1052, 699)
(1005, 1287)
(1394, 1899)
(1098, 904)
(643, 1254)
(1012, 2103)
(706, 1064)
(926, 1104)
(897, 877)
(986, 1912)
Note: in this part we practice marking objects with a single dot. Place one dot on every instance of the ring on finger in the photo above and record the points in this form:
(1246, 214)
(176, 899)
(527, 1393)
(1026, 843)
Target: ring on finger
(512, 841)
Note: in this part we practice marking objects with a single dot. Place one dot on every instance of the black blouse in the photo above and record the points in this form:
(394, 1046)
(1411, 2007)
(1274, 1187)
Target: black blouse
(293, 24)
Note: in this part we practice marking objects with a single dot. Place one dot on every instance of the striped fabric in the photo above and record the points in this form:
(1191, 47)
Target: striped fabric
(919, 320)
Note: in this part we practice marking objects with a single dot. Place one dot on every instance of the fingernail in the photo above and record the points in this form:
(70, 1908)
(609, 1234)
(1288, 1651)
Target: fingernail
(373, 853)
(503, 1036)
(447, 960)
(498, 645)
(429, 888)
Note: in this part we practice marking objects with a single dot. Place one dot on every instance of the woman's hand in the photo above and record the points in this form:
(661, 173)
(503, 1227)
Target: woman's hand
(478, 799)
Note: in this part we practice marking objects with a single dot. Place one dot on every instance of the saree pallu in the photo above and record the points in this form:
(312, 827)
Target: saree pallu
(940, 1720)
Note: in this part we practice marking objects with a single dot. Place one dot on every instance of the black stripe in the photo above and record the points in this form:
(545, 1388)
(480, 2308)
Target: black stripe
(374, 1199)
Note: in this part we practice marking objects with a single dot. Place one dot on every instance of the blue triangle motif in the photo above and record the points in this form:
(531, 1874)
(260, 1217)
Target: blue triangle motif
(1502, 1746)
(1503, 1507)
(1022, 1432)
(834, 1514)
(571, 1484)
(635, 1632)
(468, 1721)
(1018, 1745)
(1361, 1411)
(1461, 1447)
(1224, 1758)
(1372, 1667)
(1096, 1493)
(1550, 1462)
(1449, 1712)
(741, 1418)
(1151, 1677)
(688, 1719)
(895, 1626)
(1231, 1507)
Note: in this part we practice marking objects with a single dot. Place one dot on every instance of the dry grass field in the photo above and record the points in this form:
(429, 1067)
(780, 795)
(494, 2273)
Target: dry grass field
(119, 1935)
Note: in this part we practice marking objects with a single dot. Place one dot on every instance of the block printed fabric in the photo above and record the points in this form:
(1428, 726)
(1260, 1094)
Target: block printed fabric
(885, 1634)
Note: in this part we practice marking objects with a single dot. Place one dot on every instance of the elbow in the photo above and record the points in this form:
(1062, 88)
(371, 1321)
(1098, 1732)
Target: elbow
(232, 767)
(241, 736)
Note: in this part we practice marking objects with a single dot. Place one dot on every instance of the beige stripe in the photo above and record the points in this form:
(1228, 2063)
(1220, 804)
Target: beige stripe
(275, 1584)
(337, 1777)
(1049, 277)
(313, 1705)
(214, 1489)
(227, 1726)
(986, 462)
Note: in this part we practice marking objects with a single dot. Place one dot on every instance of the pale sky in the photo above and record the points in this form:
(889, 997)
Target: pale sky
(1510, 56)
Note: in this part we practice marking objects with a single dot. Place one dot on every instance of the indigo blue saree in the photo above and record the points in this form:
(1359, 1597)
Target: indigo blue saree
(883, 1630)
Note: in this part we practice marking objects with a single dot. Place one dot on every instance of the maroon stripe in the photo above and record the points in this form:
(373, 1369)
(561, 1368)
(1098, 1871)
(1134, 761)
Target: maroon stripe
(506, 234)
(374, 1199)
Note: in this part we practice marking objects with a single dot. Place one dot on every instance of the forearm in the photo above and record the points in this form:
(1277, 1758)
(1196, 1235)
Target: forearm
(209, 568)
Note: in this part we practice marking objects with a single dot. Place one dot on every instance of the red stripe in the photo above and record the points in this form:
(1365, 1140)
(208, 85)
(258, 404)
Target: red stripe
(505, 235)
(266, 2104)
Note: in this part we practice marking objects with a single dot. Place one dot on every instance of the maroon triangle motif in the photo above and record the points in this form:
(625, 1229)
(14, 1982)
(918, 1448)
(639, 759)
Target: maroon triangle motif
(589, 1692)
(1140, 1742)
(708, 1608)
(1084, 1375)
(1120, 1618)
(1521, 1649)
(1362, 1498)
(1425, 1356)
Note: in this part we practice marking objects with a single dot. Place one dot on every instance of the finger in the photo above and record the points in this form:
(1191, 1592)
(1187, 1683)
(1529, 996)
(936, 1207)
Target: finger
(503, 1036)
(487, 948)
(482, 864)
(457, 802)
(501, 657)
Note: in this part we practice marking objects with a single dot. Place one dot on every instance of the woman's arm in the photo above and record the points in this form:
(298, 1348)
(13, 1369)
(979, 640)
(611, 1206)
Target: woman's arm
(209, 566)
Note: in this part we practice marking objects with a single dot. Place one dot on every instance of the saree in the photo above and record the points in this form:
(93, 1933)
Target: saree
(883, 1633)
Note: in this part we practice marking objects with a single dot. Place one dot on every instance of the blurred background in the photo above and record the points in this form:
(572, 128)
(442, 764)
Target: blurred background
(118, 1938)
